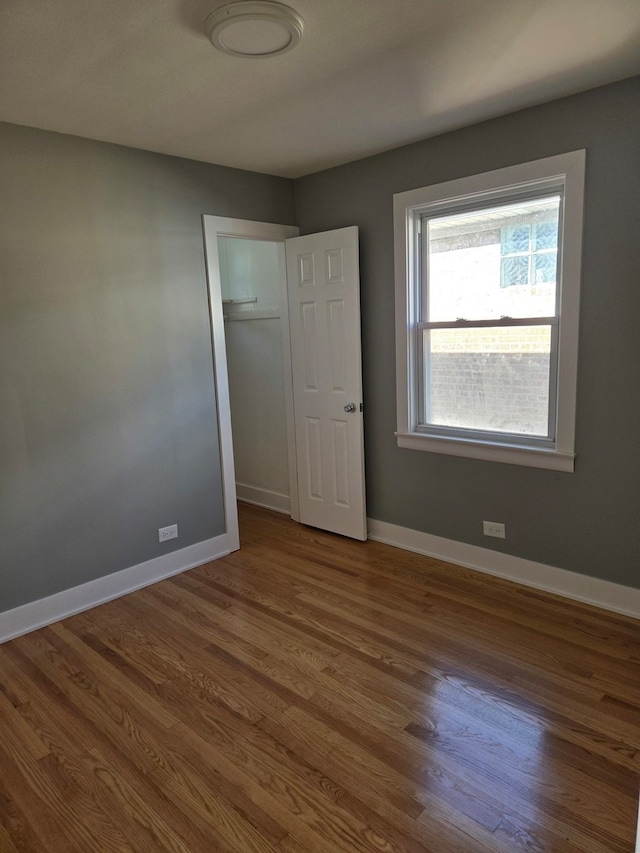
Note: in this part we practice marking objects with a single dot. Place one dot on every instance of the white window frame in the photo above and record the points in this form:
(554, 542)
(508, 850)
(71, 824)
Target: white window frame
(565, 170)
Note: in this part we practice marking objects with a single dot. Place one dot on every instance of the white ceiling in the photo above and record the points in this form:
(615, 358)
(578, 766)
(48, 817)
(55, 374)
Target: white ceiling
(369, 74)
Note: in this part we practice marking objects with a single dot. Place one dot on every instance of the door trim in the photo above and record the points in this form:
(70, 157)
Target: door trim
(212, 227)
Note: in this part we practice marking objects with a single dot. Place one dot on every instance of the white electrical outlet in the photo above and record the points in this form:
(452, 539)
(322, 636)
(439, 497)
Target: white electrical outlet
(165, 533)
(494, 528)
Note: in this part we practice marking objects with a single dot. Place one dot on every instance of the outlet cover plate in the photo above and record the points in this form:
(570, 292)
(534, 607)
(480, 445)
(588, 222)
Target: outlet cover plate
(165, 533)
(494, 528)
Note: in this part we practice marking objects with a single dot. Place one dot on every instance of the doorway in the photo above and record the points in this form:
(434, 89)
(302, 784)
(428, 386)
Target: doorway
(289, 387)
(251, 310)
(252, 273)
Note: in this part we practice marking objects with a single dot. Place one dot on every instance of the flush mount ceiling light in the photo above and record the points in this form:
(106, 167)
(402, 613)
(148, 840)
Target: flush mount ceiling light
(254, 28)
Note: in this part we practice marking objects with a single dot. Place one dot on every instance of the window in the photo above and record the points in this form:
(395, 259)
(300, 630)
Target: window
(487, 289)
(529, 249)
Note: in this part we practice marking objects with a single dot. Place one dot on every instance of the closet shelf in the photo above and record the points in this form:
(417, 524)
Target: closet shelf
(252, 315)
(244, 301)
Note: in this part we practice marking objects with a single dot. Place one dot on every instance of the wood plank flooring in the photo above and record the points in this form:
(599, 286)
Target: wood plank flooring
(311, 693)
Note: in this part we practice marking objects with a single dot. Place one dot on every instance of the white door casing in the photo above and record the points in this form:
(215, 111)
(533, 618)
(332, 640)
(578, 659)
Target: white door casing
(248, 229)
(324, 316)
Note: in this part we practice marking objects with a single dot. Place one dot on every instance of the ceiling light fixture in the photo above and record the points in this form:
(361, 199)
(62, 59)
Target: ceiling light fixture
(254, 28)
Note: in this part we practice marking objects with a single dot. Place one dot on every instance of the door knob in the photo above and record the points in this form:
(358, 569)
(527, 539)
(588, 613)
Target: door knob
(350, 407)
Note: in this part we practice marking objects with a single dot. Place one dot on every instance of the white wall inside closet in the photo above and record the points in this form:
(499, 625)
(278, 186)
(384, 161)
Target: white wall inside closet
(252, 273)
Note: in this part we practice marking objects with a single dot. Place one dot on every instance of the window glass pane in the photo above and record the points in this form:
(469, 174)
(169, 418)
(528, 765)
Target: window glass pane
(480, 263)
(515, 270)
(545, 235)
(516, 238)
(493, 379)
(544, 267)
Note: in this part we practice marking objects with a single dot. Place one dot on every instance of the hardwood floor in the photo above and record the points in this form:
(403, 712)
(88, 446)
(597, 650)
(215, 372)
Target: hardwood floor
(311, 693)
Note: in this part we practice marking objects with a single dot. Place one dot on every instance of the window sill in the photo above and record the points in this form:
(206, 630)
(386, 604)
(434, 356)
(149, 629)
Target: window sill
(511, 454)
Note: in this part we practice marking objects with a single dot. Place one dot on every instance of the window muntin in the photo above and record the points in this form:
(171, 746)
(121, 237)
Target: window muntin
(543, 296)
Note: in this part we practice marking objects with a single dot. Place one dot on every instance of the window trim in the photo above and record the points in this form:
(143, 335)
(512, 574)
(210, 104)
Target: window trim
(567, 170)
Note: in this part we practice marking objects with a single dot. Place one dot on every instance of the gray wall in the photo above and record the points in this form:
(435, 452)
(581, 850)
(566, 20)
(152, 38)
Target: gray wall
(107, 411)
(588, 521)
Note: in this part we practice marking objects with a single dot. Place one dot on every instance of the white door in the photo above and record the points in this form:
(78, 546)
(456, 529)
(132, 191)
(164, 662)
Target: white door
(324, 315)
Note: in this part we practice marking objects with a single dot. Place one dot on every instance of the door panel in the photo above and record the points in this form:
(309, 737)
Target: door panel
(310, 345)
(324, 312)
(337, 332)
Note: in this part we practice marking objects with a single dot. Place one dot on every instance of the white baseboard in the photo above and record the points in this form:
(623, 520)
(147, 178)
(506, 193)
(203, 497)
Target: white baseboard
(44, 611)
(264, 498)
(601, 593)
